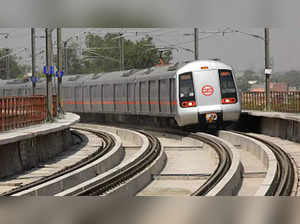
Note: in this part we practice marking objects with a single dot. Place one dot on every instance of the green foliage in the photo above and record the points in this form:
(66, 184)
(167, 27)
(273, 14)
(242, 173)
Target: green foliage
(290, 77)
(75, 64)
(14, 68)
(243, 81)
(103, 54)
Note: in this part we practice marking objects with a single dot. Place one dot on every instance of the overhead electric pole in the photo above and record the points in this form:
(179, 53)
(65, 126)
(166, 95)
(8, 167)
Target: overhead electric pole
(59, 70)
(49, 66)
(121, 52)
(268, 70)
(196, 39)
(33, 77)
(7, 63)
(65, 57)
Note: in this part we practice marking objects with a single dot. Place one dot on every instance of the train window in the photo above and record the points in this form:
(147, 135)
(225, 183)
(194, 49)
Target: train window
(228, 89)
(186, 90)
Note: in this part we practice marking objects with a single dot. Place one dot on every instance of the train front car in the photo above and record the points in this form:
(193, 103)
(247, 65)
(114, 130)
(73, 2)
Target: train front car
(206, 94)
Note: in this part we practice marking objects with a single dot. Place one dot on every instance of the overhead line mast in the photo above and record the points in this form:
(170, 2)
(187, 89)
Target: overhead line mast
(33, 76)
(59, 71)
(196, 34)
(49, 70)
(268, 70)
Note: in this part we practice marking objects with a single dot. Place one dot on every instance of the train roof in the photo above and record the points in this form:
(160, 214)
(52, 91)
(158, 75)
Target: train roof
(121, 76)
(208, 64)
(161, 72)
(10, 83)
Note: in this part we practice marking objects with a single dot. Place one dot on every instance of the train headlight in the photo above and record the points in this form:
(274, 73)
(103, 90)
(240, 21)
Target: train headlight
(188, 104)
(228, 100)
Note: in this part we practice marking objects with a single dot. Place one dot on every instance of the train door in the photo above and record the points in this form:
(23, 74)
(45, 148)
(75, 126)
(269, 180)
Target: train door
(207, 91)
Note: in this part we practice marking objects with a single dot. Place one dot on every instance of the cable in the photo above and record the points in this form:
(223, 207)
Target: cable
(24, 49)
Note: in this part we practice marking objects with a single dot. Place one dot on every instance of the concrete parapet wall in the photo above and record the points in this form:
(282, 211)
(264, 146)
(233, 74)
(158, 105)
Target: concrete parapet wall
(231, 182)
(140, 181)
(110, 173)
(261, 152)
(25, 148)
(132, 186)
(125, 135)
(283, 125)
(76, 177)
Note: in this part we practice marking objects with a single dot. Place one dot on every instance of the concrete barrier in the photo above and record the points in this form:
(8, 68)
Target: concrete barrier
(69, 180)
(132, 186)
(283, 125)
(25, 148)
(231, 182)
(141, 180)
(124, 134)
(261, 152)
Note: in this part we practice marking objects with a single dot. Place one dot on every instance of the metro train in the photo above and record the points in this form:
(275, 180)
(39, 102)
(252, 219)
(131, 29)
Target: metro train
(195, 93)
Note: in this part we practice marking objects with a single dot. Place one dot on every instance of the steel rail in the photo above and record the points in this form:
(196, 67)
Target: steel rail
(109, 143)
(221, 150)
(222, 168)
(125, 173)
(285, 174)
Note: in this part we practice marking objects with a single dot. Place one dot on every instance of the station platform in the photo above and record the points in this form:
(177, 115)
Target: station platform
(276, 124)
(24, 148)
(38, 129)
(279, 115)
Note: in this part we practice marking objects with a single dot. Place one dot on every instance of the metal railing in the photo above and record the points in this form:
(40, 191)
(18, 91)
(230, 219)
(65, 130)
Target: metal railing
(16, 112)
(288, 102)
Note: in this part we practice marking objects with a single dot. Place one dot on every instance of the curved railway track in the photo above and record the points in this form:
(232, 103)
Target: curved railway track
(283, 184)
(126, 172)
(222, 150)
(224, 160)
(222, 168)
(102, 150)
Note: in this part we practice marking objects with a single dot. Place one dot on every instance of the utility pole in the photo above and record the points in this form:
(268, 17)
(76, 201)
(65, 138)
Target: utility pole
(65, 57)
(33, 78)
(49, 75)
(59, 70)
(121, 52)
(196, 39)
(7, 63)
(268, 70)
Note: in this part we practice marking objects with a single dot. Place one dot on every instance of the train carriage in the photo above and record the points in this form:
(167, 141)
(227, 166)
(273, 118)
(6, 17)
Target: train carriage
(193, 93)
(207, 93)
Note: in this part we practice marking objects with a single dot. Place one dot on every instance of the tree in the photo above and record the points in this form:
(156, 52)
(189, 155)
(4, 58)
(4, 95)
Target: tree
(243, 81)
(11, 65)
(103, 53)
(74, 63)
(290, 77)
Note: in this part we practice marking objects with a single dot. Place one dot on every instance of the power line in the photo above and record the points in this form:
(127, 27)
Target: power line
(24, 49)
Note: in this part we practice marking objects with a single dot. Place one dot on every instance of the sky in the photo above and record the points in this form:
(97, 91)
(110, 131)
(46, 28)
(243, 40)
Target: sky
(235, 48)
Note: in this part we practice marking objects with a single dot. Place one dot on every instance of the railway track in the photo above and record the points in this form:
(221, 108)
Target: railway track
(109, 143)
(282, 183)
(223, 152)
(127, 172)
(221, 148)
(285, 176)
(224, 164)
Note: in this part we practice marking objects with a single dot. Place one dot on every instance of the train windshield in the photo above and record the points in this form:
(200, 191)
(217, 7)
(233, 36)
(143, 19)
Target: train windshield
(186, 86)
(186, 89)
(227, 85)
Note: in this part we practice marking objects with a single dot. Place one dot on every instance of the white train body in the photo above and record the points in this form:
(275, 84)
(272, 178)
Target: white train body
(197, 92)
(211, 93)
